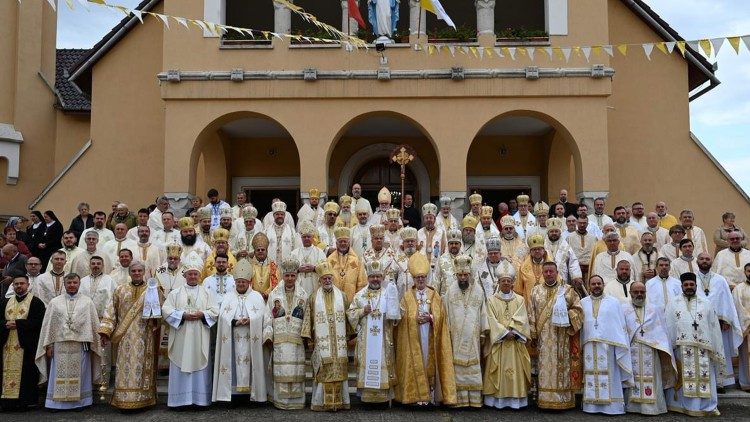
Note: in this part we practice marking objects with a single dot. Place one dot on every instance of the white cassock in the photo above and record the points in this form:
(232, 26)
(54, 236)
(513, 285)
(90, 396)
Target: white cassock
(661, 236)
(524, 223)
(151, 256)
(120, 274)
(216, 212)
(113, 247)
(715, 288)
(243, 242)
(80, 264)
(189, 342)
(162, 238)
(314, 216)
(201, 248)
(445, 273)
(308, 255)
(566, 260)
(600, 220)
(360, 238)
(433, 243)
(326, 236)
(133, 233)
(446, 223)
(731, 265)
(100, 289)
(219, 286)
(660, 291)
(619, 290)
(105, 235)
(695, 334)
(282, 240)
(670, 250)
(154, 220)
(487, 274)
(238, 366)
(362, 201)
(392, 273)
(605, 265)
(48, 286)
(70, 255)
(682, 265)
(741, 295)
(482, 235)
(268, 220)
(607, 365)
(698, 237)
(169, 279)
(392, 241)
(654, 367)
(638, 223)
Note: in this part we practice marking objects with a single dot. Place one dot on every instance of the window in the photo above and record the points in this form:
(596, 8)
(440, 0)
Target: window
(258, 14)
(519, 19)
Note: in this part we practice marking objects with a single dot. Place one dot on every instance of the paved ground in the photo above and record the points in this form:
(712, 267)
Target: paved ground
(103, 412)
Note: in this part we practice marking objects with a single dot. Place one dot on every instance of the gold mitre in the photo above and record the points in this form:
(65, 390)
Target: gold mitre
(225, 212)
(462, 264)
(507, 220)
(522, 199)
(492, 243)
(541, 208)
(554, 223)
(289, 265)
(506, 270)
(306, 227)
(249, 213)
(377, 230)
(429, 209)
(345, 200)
(331, 206)
(243, 269)
(260, 240)
(315, 193)
(469, 221)
(323, 268)
(454, 235)
(204, 213)
(174, 250)
(373, 268)
(418, 265)
(384, 195)
(192, 262)
(408, 233)
(486, 211)
(278, 206)
(535, 241)
(475, 198)
(445, 201)
(342, 232)
(220, 234)
(185, 223)
(392, 214)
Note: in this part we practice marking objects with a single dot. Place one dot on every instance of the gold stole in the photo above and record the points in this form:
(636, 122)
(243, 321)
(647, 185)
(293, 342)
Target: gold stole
(134, 312)
(12, 351)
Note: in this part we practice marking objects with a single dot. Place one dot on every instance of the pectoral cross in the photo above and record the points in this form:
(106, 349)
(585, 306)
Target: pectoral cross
(695, 325)
(642, 333)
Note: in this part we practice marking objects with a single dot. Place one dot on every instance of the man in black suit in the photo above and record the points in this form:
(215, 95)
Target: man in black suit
(570, 208)
(411, 217)
(16, 267)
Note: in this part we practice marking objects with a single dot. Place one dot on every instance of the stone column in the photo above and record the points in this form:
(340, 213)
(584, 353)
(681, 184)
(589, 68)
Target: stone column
(458, 203)
(414, 21)
(485, 22)
(588, 197)
(179, 203)
(347, 23)
(282, 19)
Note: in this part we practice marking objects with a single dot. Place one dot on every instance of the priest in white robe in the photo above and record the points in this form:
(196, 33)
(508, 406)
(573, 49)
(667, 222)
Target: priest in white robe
(360, 234)
(695, 335)
(730, 262)
(392, 271)
(663, 288)
(311, 211)
(50, 284)
(149, 254)
(605, 263)
(190, 311)
(716, 289)
(620, 287)
(113, 247)
(284, 313)
(283, 239)
(238, 359)
(607, 365)
(431, 240)
(654, 367)
(466, 312)
(100, 287)
(693, 232)
(69, 346)
(444, 273)
(687, 262)
(307, 255)
(80, 264)
(524, 220)
(741, 295)
(221, 282)
(373, 313)
(446, 220)
(560, 252)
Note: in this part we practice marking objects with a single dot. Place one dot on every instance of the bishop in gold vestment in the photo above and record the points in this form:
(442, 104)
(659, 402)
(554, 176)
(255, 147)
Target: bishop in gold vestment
(348, 268)
(424, 356)
(135, 341)
(555, 317)
(507, 370)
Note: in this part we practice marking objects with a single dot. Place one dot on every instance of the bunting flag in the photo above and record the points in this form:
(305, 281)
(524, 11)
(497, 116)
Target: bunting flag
(708, 47)
(436, 8)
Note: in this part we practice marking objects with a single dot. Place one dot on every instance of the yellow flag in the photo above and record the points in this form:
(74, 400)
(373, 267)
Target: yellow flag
(706, 46)
(735, 43)
(597, 49)
(623, 49)
(662, 47)
(437, 9)
(488, 51)
(474, 51)
(558, 52)
(681, 46)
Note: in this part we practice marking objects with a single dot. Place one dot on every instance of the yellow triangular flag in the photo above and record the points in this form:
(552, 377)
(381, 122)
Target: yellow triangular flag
(488, 51)
(577, 50)
(681, 46)
(735, 43)
(597, 50)
(558, 52)
(662, 47)
(541, 50)
(474, 51)
(431, 49)
(623, 49)
(522, 51)
(706, 46)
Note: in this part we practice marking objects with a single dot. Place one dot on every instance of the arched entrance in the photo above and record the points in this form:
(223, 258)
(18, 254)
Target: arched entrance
(251, 153)
(522, 152)
(362, 152)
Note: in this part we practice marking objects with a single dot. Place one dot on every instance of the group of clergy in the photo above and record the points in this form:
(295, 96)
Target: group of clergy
(456, 313)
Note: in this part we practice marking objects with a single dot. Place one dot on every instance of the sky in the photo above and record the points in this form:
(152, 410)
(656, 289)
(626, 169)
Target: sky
(720, 119)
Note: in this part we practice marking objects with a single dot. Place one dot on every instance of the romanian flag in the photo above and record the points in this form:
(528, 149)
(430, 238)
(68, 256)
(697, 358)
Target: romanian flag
(436, 8)
(354, 13)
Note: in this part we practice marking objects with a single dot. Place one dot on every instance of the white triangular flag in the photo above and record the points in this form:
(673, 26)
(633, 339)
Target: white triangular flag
(608, 49)
(694, 45)
(512, 52)
(566, 53)
(138, 14)
(165, 19)
(531, 51)
(182, 21)
(51, 3)
(465, 50)
(670, 46)
(586, 52)
(549, 52)
(452, 49)
(648, 48)
(481, 53)
(717, 43)
(746, 40)
(499, 52)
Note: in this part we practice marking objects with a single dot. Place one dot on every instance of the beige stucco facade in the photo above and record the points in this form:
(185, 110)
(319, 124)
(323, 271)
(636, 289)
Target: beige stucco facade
(626, 137)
